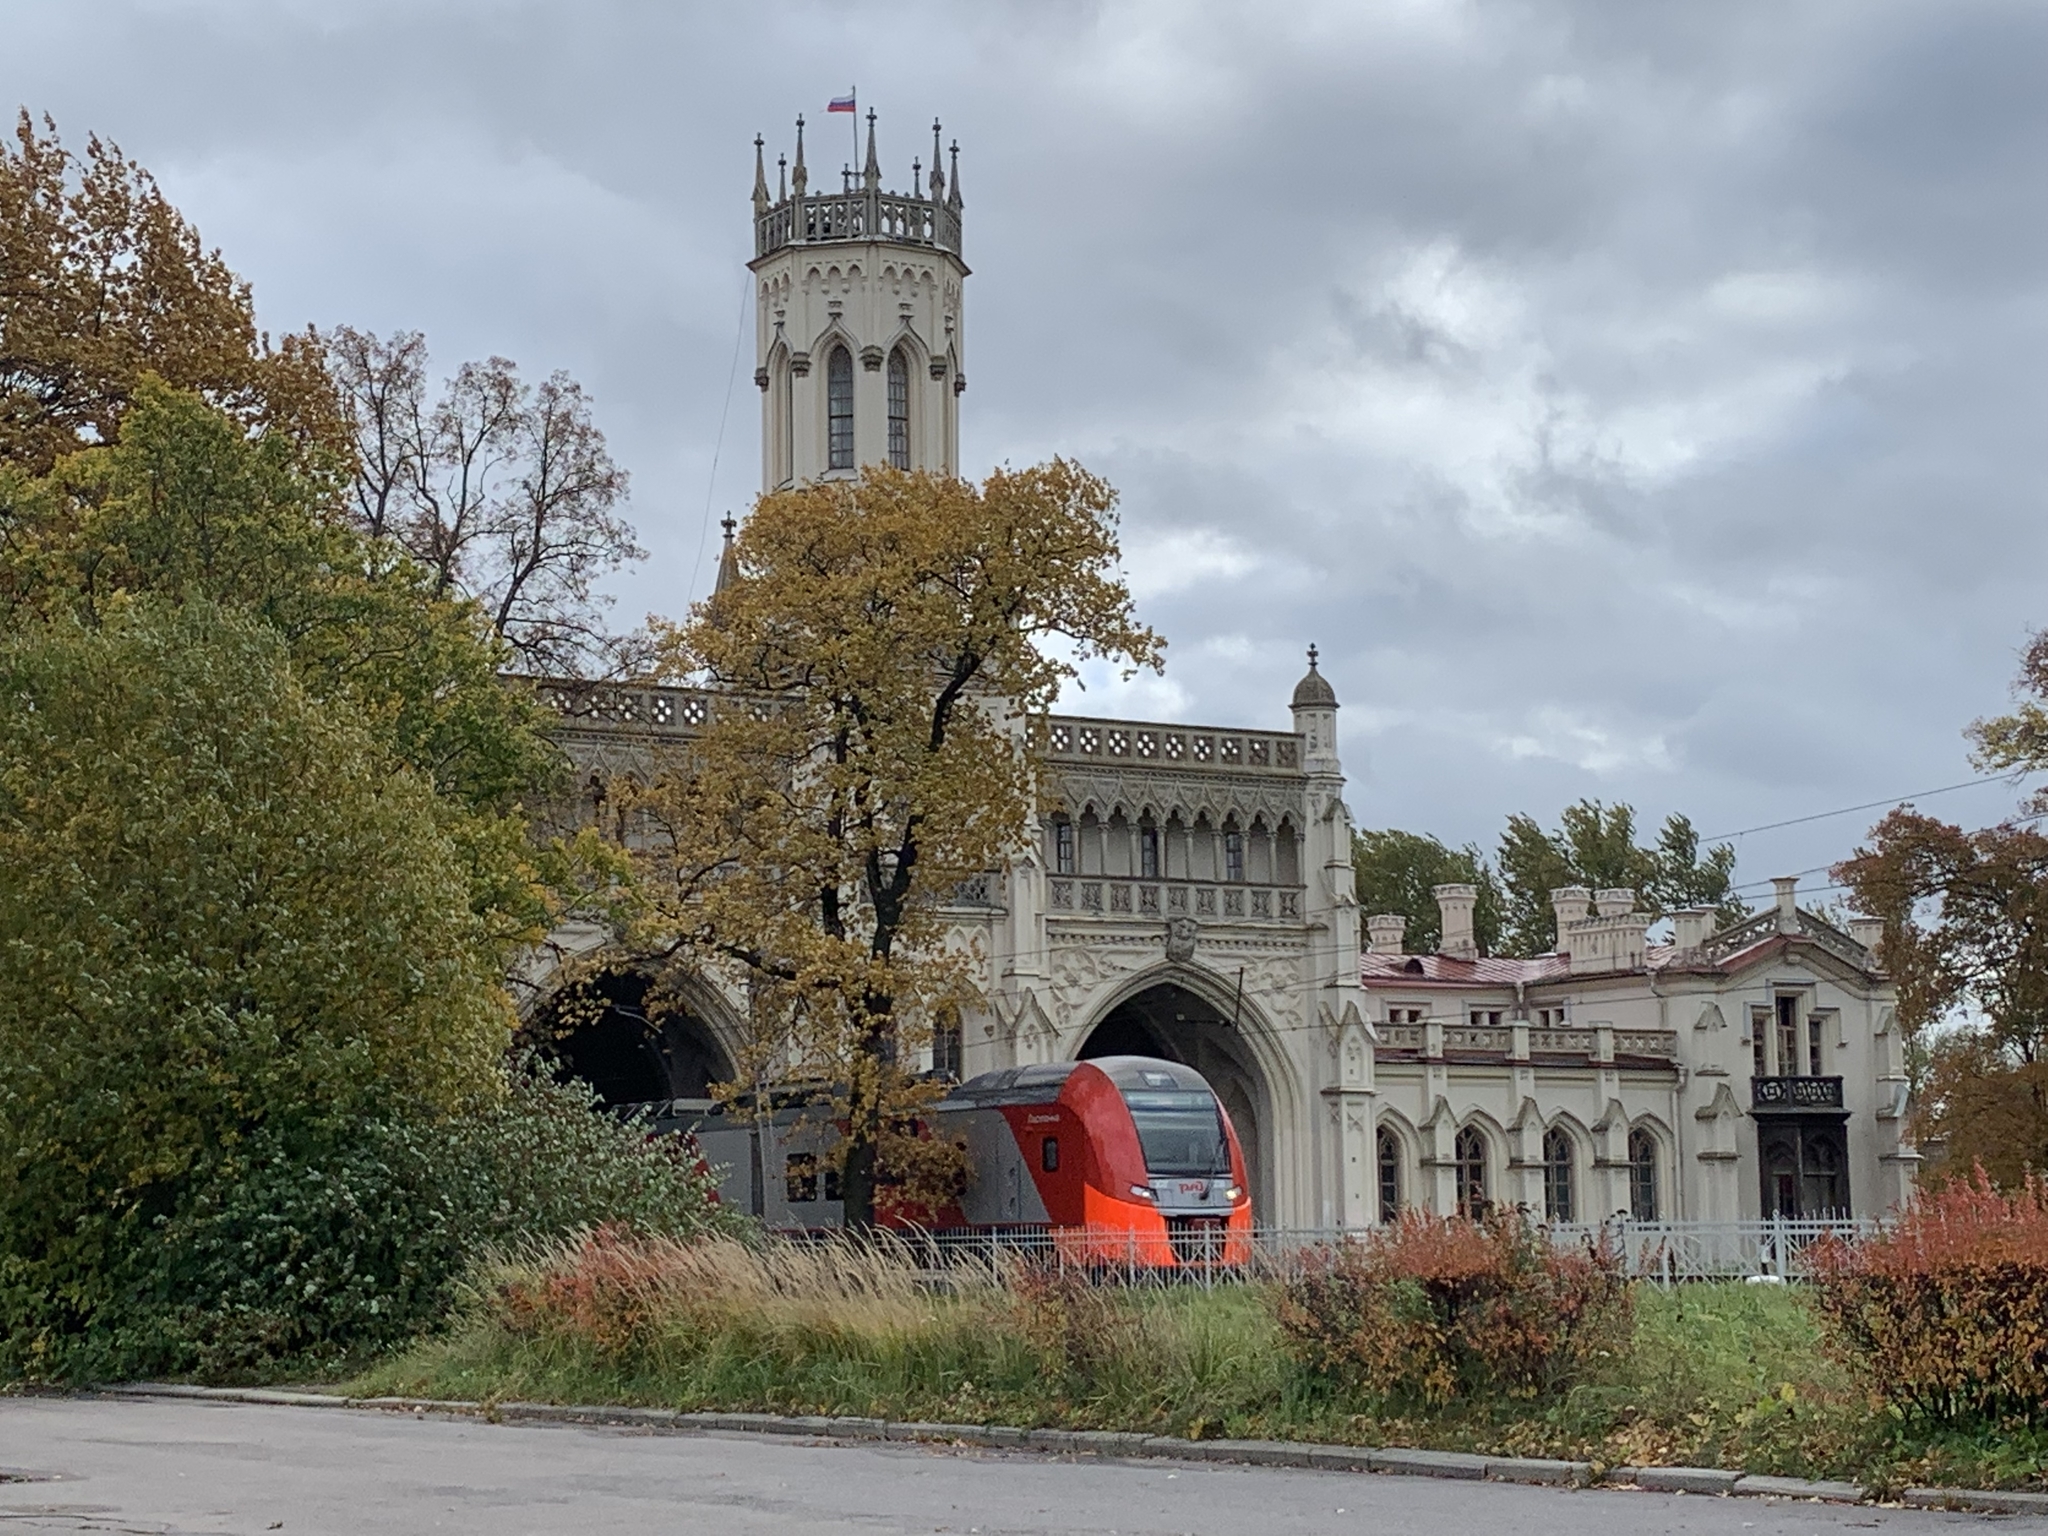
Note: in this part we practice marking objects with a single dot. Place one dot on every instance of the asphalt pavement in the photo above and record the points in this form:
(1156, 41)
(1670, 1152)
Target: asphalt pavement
(108, 1464)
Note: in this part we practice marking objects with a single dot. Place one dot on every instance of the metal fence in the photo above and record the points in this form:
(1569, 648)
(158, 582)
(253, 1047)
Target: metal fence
(1665, 1252)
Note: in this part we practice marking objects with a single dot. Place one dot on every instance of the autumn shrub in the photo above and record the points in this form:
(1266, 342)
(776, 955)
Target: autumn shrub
(1947, 1311)
(1432, 1311)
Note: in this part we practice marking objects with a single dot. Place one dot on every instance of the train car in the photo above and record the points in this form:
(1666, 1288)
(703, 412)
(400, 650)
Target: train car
(1122, 1160)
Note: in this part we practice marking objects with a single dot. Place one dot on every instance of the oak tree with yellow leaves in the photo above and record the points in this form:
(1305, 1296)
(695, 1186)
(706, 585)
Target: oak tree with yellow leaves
(881, 661)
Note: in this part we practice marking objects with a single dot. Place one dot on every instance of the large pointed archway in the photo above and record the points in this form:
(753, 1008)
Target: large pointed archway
(611, 1031)
(1177, 1023)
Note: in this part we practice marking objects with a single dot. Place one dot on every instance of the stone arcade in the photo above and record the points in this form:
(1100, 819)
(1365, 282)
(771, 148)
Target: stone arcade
(1192, 894)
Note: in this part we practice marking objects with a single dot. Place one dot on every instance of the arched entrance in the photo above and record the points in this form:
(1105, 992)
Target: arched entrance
(1170, 1021)
(606, 1031)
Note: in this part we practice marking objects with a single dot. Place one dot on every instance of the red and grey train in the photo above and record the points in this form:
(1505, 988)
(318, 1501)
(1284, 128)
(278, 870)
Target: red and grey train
(1119, 1160)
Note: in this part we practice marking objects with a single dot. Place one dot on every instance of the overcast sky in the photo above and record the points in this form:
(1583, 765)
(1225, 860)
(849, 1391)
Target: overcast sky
(1635, 400)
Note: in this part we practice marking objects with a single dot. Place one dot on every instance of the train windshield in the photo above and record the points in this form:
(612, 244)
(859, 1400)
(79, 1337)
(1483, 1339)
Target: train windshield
(1182, 1133)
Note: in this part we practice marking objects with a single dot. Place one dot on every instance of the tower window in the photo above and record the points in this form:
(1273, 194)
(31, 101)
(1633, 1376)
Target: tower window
(839, 410)
(1388, 1146)
(1557, 1175)
(1148, 853)
(1233, 856)
(1063, 847)
(1642, 1175)
(1468, 1154)
(899, 410)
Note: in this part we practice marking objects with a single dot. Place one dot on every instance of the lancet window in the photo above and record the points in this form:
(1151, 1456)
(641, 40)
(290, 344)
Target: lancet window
(899, 410)
(839, 409)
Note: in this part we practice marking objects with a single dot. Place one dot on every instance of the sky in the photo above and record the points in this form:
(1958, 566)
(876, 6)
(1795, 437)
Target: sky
(1632, 400)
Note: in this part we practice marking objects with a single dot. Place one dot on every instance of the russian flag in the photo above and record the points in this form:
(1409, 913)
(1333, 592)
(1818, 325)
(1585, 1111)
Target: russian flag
(841, 103)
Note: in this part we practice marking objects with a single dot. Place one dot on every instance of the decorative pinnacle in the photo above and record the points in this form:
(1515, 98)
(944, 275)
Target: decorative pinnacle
(760, 178)
(799, 178)
(1312, 654)
(953, 191)
(871, 173)
(938, 176)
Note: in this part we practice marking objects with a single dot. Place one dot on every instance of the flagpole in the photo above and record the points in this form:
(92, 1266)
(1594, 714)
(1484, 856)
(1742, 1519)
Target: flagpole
(855, 94)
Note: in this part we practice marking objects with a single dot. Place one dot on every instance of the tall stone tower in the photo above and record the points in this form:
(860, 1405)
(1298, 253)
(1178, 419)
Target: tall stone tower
(860, 338)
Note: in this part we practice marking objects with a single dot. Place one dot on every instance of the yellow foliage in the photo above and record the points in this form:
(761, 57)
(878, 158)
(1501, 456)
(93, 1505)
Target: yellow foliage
(883, 658)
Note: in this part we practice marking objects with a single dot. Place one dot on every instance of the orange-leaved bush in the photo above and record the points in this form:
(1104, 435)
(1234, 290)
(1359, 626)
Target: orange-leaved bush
(1432, 1310)
(1948, 1310)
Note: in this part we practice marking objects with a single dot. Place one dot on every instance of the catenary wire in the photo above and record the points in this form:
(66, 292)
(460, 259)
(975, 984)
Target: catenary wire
(739, 332)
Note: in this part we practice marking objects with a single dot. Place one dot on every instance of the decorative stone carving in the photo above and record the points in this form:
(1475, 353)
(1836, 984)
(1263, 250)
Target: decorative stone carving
(1181, 934)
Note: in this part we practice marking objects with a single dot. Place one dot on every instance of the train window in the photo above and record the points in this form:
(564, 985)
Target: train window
(800, 1178)
(1049, 1154)
(1181, 1133)
(835, 1188)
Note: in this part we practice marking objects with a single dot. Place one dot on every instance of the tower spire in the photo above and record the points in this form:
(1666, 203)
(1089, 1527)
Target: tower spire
(871, 173)
(760, 179)
(953, 190)
(938, 176)
(799, 178)
(728, 557)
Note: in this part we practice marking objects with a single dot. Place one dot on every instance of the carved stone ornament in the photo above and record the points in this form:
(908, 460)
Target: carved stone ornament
(1181, 933)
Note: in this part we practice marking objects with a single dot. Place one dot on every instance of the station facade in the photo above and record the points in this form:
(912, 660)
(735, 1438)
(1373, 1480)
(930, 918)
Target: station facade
(1191, 894)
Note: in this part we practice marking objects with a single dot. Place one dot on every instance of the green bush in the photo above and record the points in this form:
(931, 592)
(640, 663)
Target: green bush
(252, 1032)
(1432, 1311)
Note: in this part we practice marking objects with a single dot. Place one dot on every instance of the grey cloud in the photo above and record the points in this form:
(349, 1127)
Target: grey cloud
(1633, 400)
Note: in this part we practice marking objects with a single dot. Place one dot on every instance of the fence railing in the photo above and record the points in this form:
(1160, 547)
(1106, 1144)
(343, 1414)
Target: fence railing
(1660, 1251)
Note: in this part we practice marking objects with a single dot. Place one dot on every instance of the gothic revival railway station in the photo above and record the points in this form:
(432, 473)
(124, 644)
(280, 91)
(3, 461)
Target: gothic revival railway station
(1191, 892)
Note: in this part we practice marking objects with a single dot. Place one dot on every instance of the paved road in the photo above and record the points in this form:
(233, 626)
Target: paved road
(187, 1467)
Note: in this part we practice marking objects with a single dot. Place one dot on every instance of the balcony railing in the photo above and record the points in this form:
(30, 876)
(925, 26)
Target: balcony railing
(1181, 747)
(1154, 900)
(1795, 1093)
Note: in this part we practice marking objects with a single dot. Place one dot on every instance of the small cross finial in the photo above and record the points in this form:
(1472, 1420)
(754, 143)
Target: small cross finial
(728, 523)
(1312, 654)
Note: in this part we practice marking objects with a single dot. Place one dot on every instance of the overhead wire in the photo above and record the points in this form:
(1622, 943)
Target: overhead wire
(739, 332)
(1869, 805)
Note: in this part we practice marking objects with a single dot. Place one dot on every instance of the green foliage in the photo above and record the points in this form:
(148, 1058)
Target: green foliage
(1399, 871)
(1594, 845)
(188, 506)
(1431, 1311)
(225, 910)
(322, 1239)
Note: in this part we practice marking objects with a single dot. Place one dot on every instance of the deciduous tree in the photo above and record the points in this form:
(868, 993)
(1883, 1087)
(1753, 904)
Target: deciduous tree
(505, 492)
(1595, 845)
(1399, 871)
(102, 281)
(883, 658)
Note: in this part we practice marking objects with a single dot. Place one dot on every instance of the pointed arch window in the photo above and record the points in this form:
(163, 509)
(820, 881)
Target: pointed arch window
(839, 409)
(1557, 1175)
(1468, 1157)
(899, 410)
(1642, 1175)
(1388, 1147)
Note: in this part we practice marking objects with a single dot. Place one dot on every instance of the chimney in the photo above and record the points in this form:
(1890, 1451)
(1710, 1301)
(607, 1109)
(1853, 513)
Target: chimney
(1383, 933)
(1867, 931)
(1616, 902)
(1787, 902)
(1691, 927)
(1572, 904)
(1455, 902)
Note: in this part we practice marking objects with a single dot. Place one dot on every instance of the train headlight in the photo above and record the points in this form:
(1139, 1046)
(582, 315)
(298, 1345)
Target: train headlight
(1139, 1191)
(1233, 1194)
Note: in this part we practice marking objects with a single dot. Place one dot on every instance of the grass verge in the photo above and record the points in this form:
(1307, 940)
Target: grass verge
(1718, 1375)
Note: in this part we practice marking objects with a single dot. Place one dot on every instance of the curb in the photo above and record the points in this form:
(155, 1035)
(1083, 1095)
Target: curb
(1388, 1460)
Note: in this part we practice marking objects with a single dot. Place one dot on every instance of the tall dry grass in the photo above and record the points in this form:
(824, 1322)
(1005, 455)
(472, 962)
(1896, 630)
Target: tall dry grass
(843, 1326)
